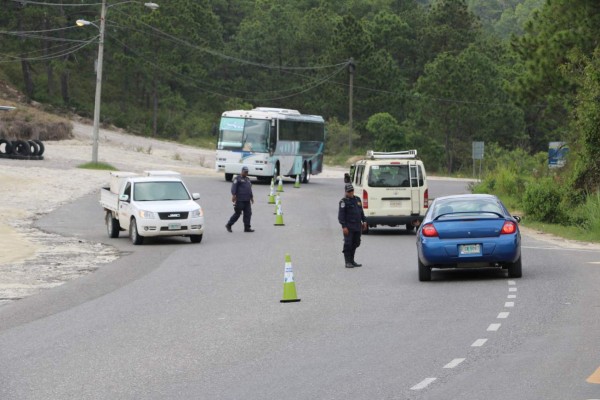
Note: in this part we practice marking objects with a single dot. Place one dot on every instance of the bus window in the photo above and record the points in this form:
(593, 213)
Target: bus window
(256, 135)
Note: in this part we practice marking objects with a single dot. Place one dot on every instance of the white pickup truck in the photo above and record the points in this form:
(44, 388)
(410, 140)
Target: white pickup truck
(157, 203)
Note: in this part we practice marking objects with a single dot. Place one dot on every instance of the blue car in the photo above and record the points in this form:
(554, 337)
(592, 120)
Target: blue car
(469, 231)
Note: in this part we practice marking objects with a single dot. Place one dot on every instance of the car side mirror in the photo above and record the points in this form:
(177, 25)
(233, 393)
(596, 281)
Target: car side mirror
(517, 218)
(124, 197)
(196, 196)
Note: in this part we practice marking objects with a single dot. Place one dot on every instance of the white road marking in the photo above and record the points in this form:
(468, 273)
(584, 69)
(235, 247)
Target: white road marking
(503, 315)
(493, 327)
(511, 296)
(423, 384)
(454, 363)
(511, 283)
(509, 304)
(560, 248)
(479, 343)
(512, 289)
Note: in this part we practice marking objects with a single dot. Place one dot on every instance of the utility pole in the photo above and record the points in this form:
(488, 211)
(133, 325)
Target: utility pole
(351, 68)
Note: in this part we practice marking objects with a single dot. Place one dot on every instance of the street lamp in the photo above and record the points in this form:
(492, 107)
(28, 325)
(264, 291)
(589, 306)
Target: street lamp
(82, 22)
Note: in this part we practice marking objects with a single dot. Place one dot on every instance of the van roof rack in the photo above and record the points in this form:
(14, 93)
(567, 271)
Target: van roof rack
(390, 155)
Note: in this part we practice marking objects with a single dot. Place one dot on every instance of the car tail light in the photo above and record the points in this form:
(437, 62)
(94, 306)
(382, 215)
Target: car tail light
(426, 198)
(508, 227)
(429, 230)
(365, 200)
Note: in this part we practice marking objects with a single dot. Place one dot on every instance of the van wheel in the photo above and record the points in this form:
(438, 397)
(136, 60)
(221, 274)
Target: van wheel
(134, 234)
(228, 177)
(195, 238)
(410, 227)
(112, 225)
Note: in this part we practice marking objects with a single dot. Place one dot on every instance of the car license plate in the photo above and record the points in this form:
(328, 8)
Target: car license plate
(174, 227)
(464, 249)
(395, 204)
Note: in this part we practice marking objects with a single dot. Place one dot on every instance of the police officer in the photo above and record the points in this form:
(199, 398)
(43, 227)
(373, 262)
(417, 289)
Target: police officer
(353, 221)
(241, 196)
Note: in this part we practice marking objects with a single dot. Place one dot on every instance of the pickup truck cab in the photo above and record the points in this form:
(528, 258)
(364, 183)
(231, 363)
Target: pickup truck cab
(157, 203)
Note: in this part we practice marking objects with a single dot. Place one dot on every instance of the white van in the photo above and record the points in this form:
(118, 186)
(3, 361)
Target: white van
(393, 188)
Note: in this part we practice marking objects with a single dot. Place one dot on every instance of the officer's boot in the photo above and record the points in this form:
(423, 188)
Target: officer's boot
(354, 263)
(348, 260)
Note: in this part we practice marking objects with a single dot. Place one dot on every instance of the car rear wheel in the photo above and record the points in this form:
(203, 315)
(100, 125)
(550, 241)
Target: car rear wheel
(514, 269)
(424, 272)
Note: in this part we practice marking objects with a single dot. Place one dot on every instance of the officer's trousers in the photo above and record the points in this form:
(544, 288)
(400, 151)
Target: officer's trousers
(238, 208)
(351, 242)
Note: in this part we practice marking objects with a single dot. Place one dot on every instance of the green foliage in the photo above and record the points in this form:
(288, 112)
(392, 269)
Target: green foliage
(542, 200)
(386, 132)
(98, 165)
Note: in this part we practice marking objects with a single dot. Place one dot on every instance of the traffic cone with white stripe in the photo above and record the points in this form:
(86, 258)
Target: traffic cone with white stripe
(279, 216)
(297, 183)
(272, 193)
(289, 286)
(280, 184)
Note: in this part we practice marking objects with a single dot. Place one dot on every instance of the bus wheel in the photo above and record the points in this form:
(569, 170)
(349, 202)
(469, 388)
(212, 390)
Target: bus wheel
(276, 171)
(305, 174)
(228, 177)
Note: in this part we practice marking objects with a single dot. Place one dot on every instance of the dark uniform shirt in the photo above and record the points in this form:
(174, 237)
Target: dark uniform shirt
(351, 214)
(242, 188)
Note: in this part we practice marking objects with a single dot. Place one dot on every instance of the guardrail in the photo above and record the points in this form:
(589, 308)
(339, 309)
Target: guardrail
(22, 149)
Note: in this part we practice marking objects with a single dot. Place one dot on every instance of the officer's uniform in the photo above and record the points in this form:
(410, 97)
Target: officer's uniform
(241, 188)
(351, 216)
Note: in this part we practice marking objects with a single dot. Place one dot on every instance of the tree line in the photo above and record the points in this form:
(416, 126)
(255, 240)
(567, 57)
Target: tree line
(431, 75)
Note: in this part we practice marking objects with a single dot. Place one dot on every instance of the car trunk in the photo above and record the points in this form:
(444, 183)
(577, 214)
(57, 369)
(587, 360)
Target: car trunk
(469, 228)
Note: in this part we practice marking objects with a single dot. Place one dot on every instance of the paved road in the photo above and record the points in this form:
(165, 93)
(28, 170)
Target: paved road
(175, 320)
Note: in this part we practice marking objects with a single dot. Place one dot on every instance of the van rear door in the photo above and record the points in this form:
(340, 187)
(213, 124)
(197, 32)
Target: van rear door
(415, 190)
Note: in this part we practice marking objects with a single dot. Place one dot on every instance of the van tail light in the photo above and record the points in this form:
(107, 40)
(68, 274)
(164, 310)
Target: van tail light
(365, 200)
(508, 228)
(429, 230)
(426, 198)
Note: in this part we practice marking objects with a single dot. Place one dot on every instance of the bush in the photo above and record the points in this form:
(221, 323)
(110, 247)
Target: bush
(541, 201)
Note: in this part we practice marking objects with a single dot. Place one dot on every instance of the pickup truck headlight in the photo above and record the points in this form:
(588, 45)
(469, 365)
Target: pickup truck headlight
(196, 213)
(147, 214)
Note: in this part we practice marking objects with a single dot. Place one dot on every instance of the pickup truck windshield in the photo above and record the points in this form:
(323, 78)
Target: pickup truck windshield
(159, 191)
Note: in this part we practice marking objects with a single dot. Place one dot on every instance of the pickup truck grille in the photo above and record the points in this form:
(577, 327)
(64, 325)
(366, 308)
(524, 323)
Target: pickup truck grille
(173, 215)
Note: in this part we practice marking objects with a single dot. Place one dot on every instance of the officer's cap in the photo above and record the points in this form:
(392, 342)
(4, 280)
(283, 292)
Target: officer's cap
(349, 188)
(244, 168)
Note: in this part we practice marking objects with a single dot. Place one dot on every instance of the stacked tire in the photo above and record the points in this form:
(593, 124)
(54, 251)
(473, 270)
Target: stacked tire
(22, 149)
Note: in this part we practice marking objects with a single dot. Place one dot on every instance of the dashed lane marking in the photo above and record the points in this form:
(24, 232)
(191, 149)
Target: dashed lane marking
(493, 327)
(511, 296)
(509, 304)
(503, 315)
(423, 384)
(512, 283)
(479, 343)
(512, 289)
(454, 363)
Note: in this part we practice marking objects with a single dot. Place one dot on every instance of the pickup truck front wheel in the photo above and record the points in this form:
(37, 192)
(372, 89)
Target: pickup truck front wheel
(112, 225)
(133, 233)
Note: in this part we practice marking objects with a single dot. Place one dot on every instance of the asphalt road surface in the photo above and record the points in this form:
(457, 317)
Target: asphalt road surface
(176, 320)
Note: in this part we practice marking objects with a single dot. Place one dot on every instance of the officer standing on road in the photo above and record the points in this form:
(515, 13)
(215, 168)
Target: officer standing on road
(352, 218)
(241, 196)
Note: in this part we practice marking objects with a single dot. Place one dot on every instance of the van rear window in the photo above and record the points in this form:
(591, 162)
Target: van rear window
(395, 176)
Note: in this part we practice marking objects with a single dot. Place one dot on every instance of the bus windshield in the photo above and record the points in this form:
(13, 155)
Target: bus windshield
(244, 134)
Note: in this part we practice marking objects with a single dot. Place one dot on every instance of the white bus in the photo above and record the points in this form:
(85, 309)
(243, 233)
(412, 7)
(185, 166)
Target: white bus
(270, 142)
